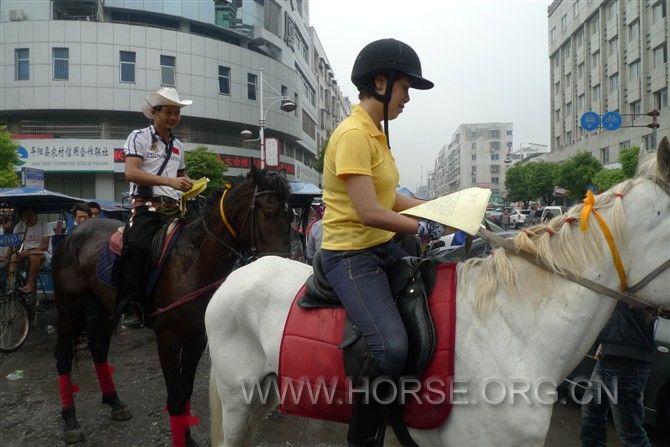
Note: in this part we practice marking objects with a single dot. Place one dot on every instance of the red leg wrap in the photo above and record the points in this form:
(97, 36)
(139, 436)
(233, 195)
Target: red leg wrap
(179, 425)
(104, 371)
(66, 389)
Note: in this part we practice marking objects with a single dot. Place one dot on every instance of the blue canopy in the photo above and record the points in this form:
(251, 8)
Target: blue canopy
(42, 200)
(405, 191)
(304, 188)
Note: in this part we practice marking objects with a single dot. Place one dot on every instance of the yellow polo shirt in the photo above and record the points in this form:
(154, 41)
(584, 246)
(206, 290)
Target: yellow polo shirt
(359, 147)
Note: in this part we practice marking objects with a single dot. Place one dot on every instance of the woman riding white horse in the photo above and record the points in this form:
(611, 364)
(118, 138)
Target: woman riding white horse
(519, 329)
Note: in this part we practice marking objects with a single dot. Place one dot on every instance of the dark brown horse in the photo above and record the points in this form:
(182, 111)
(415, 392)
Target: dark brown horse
(247, 221)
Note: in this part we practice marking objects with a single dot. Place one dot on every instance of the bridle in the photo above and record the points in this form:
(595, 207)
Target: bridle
(243, 257)
(626, 294)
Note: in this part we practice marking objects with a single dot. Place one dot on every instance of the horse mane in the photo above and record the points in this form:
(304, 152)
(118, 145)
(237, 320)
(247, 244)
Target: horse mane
(560, 243)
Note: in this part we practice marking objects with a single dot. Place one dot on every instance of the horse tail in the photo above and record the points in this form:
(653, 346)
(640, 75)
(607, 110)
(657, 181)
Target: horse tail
(215, 411)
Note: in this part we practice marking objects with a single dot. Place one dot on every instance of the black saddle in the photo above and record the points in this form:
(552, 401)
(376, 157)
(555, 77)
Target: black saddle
(411, 281)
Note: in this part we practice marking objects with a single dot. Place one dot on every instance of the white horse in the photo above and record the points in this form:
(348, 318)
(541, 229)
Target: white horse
(517, 325)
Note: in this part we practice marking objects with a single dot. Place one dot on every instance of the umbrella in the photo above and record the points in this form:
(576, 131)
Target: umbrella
(42, 200)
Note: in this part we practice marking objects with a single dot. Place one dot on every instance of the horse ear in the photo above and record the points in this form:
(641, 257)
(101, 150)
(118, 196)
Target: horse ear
(663, 158)
(257, 175)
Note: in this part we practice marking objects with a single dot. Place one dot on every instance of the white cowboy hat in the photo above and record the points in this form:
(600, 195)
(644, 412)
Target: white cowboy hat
(167, 96)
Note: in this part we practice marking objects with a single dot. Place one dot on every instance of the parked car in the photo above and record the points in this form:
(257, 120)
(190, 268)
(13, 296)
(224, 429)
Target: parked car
(657, 391)
(549, 212)
(518, 217)
(534, 217)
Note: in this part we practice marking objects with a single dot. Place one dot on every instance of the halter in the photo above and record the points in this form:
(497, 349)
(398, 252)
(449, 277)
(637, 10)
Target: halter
(626, 293)
(255, 231)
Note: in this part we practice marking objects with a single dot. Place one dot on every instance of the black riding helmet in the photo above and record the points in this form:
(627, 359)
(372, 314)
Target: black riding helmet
(392, 58)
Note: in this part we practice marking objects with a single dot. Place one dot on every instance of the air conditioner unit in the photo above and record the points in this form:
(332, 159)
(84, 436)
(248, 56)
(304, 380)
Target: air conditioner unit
(16, 15)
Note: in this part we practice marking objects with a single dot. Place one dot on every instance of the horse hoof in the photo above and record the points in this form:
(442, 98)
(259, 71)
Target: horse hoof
(73, 436)
(121, 414)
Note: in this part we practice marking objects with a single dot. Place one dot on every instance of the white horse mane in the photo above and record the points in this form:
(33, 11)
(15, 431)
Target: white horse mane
(559, 243)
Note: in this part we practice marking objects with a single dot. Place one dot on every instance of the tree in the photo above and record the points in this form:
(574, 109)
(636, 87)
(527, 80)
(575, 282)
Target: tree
(541, 179)
(200, 162)
(576, 173)
(318, 163)
(8, 159)
(515, 183)
(628, 159)
(606, 178)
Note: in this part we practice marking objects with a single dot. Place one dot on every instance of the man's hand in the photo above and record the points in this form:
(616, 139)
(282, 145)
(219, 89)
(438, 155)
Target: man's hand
(429, 231)
(181, 183)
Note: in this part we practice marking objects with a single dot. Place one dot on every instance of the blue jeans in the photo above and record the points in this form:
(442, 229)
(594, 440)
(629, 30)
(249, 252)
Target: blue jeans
(361, 284)
(624, 379)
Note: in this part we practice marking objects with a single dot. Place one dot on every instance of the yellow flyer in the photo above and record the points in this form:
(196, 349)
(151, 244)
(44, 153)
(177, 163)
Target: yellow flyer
(462, 209)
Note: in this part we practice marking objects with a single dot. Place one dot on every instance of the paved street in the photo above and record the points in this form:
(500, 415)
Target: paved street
(30, 406)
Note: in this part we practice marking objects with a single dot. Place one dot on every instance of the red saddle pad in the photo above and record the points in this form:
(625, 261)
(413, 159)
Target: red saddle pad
(312, 381)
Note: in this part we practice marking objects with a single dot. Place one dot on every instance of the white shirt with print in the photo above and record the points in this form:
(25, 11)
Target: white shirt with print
(148, 145)
(33, 235)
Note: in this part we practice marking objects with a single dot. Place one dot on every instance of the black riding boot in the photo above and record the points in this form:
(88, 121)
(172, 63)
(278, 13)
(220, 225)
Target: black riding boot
(370, 408)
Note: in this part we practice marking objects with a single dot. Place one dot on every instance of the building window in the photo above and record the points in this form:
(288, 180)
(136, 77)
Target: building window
(614, 82)
(580, 70)
(568, 109)
(612, 46)
(473, 146)
(473, 179)
(636, 109)
(624, 144)
(580, 39)
(557, 61)
(251, 86)
(494, 134)
(557, 115)
(595, 59)
(661, 99)
(634, 31)
(509, 133)
(595, 25)
(167, 70)
(564, 22)
(495, 180)
(224, 80)
(494, 169)
(474, 170)
(557, 88)
(566, 52)
(284, 90)
(495, 157)
(605, 155)
(474, 157)
(127, 66)
(575, 9)
(660, 56)
(634, 70)
(553, 34)
(580, 102)
(568, 81)
(595, 92)
(494, 145)
(61, 64)
(658, 12)
(612, 10)
(568, 137)
(22, 64)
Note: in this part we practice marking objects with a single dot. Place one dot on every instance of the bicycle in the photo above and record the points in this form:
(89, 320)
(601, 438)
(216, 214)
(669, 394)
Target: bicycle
(16, 317)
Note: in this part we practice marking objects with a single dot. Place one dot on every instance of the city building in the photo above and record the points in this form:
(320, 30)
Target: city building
(607, 55)
(532, 150)
(74, 75)
(474, 157)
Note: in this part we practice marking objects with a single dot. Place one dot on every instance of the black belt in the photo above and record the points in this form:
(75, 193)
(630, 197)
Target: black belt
(156, 200)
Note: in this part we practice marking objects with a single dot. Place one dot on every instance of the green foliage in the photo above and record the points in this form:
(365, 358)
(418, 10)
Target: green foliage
(200, 162)
(576, 173)
(8, 159)
(606, 178)
(628, 159)
(318, 163)
(528, 181)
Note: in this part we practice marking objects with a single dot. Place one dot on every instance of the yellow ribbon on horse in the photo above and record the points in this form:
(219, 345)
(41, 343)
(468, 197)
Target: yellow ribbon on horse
(589, 206)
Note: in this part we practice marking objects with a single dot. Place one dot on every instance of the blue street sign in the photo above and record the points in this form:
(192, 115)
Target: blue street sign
(612, 120)
(590, 121)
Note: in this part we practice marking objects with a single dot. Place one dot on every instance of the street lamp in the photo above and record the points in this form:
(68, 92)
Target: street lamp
(286, 105)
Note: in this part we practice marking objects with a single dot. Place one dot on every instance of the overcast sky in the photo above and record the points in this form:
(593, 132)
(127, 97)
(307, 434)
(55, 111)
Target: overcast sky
(488, 59)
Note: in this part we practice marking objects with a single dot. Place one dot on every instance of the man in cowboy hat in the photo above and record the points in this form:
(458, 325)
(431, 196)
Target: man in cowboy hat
(155, 170)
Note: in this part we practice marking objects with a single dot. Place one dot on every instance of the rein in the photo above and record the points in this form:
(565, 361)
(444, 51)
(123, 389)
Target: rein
(626, 293)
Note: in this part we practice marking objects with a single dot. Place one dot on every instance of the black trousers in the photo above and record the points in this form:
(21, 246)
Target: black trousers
(133, 266)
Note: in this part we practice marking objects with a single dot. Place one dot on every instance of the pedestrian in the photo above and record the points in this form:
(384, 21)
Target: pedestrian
(154, 167)
(504, 219)
(6, 227)
(33, 252)
(624, 360)
(95, 209)
(81, 213)
(359, 189)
